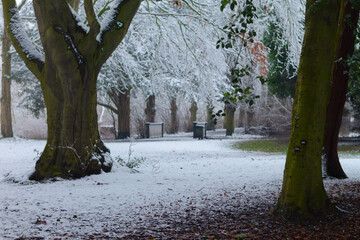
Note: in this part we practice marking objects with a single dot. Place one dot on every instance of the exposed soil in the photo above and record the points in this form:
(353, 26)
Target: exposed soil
(240, 217)
(255, 221)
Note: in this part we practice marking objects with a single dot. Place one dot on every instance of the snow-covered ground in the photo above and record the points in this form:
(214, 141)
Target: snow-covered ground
(174, 174)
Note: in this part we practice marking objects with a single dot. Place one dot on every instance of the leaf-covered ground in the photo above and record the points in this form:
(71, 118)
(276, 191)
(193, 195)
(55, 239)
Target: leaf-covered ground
(234, 217)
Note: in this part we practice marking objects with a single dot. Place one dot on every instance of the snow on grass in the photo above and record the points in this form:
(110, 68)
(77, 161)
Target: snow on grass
(174, 175)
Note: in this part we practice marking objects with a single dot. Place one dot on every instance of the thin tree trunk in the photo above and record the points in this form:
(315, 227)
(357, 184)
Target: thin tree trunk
(150, 110)
(210, 122)
(229, 120)
(340, 79)
(249, 119)
(123, 111)
(173, 110)
(193, 117)
(303, 194)
(6, 124)
(241, 116)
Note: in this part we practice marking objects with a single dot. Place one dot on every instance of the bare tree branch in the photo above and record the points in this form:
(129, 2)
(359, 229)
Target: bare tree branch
(91, 17)
(108, 107)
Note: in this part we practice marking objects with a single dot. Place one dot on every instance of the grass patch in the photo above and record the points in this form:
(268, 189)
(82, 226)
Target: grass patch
(277, 146)
(262, 145)
(349, 149)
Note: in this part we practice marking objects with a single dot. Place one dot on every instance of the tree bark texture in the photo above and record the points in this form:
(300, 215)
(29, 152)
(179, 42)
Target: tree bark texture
(68, 71)
(340, 79)
(124, 114)
(229, 120)
(6, 123)
(303, 194)
(150, 110)
(173, 113)
(249, 119)
(193, 111)
(121, 99)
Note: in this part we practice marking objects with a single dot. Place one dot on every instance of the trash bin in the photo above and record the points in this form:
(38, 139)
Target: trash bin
(199, 129)
(199, 132)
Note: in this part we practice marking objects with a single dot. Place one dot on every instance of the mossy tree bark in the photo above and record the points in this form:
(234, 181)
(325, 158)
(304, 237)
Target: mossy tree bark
(340, 78)
(173, 113)
(6, 123)
(150, 110)
(74, 148)
(229, 120)
(193, 112)
(303, 194)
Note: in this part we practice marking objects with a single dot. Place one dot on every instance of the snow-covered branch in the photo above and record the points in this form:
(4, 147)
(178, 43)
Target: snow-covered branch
(115, 25)
(21, 41)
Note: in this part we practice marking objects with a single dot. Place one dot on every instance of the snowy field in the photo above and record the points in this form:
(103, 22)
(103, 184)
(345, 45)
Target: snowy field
(175, 174)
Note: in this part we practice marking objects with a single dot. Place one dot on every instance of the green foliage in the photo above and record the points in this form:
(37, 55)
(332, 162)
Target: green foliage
(135, 162)
(33, 99)
(30, 92)
(239, 27)
(281, 78)
(237, 30)
(238, 93)
(354, 77)
(131, 162)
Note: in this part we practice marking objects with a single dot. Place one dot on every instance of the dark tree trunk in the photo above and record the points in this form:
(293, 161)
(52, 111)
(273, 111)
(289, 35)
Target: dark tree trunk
(68, 69)
(193, 111)
(340, 79)
(123, 112)
(241, 116)
(173, 110)
(229, 119)
(210, 122)
(6, 124)
(74, 145)
(150, 110)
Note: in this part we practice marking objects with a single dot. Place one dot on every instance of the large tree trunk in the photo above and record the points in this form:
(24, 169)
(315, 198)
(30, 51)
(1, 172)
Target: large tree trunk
(74, 148)
(68, 70)
(303, 194)
(123, 112)
(6, 125)
(173, 122)
(229, 120)
(340, 79)
(150, 110)
(193, 117)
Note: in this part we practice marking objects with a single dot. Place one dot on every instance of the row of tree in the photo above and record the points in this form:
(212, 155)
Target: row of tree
(73, 36)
